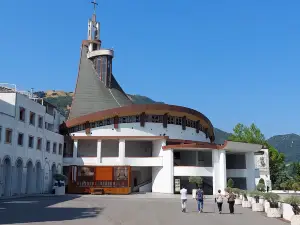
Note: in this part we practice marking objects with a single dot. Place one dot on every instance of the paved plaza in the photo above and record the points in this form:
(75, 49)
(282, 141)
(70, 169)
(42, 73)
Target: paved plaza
(118, 210)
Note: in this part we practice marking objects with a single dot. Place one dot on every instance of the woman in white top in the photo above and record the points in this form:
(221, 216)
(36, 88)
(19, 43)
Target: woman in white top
(219, 201)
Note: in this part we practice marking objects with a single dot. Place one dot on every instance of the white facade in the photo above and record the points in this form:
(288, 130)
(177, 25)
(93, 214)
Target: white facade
(31, 148)
(143, 149)
(262, 165)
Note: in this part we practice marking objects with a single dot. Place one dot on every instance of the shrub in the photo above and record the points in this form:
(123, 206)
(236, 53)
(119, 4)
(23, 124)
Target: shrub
(261, 181)
(196, 180)
(236, 191)
(228, 189)
(256, 195)
(244, 193)
(272, 198)
(261, 187)
(230, 183)
(294, 201)
(284, 185)
(296, 186)
(59, 177)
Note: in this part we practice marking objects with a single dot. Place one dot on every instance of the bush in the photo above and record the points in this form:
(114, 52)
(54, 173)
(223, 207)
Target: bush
(261, 181)
(256, 195)
(261, 187)
(294, 201)
(284, 185)
(230, 183)
(245, 193)
(272, 198)
(59, 177)
(228, 189)
(196, 180)
(296, 186)
(236, 191)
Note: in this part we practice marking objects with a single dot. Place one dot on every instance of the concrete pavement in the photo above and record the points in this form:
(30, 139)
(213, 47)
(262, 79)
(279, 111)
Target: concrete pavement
(140, 209)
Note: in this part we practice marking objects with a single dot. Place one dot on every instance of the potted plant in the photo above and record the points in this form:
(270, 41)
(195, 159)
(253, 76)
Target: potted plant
(245, 202)
(197, 181)
(294, 201)
(256, 205)
(261, 188)
(230, 183)
(274, 210)
(59, 184)
(237, 193)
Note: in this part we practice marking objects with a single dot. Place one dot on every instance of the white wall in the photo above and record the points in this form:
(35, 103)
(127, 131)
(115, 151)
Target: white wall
(150, 129)
(193, 171)
(7, 103)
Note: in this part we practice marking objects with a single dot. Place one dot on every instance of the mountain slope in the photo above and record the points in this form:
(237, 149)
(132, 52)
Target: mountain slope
(288, 144)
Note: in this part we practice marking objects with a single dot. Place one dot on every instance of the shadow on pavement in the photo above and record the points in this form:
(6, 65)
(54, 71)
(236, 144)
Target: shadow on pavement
(38, 209)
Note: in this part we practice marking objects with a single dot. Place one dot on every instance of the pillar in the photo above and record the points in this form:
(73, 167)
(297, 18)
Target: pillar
(219, 170)
(99, 151)
(75, 149)
(222, 165)
(250, 167)
(122, 151)
(163, 177)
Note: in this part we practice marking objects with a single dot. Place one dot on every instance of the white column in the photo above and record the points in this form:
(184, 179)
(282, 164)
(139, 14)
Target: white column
(99, 151)
(75, 150)
(250, 167)
(122, 151)
(163, 177)
(222, 171)
(216, 169)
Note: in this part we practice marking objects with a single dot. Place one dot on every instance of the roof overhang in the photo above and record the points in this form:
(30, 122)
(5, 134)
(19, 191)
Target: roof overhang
(229, 146)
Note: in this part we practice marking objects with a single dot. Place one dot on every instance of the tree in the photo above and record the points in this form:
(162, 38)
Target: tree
(196, 180)
(253, 135)
(230, 183)
(261, 181)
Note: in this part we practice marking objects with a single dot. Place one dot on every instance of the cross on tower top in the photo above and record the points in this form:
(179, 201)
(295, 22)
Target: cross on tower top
(95, 5)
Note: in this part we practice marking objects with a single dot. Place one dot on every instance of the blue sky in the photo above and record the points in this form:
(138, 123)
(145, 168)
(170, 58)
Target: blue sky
(235, 61)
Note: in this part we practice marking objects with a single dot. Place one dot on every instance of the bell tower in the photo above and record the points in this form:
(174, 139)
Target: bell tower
(94, 31)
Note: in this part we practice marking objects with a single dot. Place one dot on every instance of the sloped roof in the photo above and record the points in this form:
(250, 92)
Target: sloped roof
(91, 95)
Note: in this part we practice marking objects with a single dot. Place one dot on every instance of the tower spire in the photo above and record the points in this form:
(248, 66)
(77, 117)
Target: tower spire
(94, 26)
(95, 5)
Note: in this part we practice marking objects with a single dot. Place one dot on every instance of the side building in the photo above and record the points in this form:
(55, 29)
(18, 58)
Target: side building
(31, 148)
(153, 147)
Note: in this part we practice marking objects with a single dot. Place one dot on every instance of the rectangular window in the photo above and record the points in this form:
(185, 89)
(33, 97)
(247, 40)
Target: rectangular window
(39, 144)
(54, 148)
(32, 118)
(48, 146)
(0, 133)
(30, 141)
(20, 139)
(8, 136)
(40, 123)
(22, 114)
(60, 149)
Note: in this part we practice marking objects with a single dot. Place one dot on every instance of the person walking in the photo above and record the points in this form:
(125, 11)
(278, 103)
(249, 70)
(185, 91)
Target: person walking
(219, 200)
(183, 197)
(231, 198)
(199, 198)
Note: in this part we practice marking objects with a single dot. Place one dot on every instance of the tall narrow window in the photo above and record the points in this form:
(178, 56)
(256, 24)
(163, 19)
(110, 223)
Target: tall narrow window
(39, 144)
(0, 133)
(8, 136)
(30, 141)
(48, 146)
(60, 149)
(54, 148)
(22, 114)
(32, 118)
(20, 139)
(40, 122)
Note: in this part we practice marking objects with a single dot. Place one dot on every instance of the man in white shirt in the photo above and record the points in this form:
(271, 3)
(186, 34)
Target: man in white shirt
(183, 197)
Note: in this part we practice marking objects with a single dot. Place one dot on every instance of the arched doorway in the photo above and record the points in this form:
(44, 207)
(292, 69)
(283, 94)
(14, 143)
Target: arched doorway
(7, 176)
(19, 176)
(29, 177)
(58, 170)
(38, 169)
